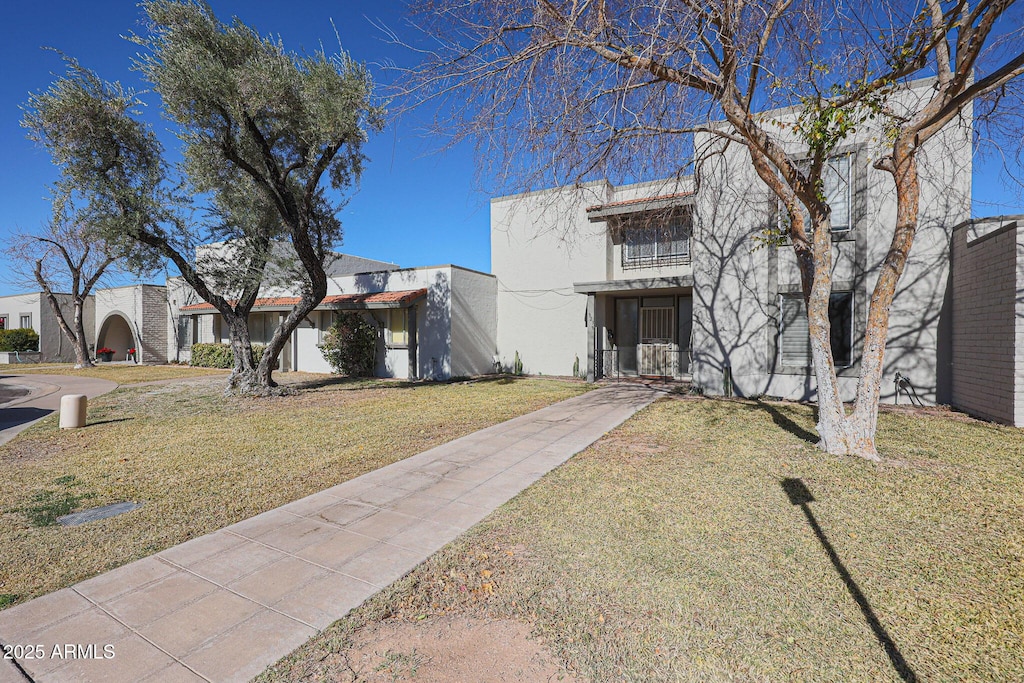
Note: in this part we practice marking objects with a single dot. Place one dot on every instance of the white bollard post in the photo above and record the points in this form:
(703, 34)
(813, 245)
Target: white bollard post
(72, 411)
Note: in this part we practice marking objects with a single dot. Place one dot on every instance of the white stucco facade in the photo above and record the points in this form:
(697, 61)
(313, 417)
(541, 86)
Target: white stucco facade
(711, 310)
(433, 322)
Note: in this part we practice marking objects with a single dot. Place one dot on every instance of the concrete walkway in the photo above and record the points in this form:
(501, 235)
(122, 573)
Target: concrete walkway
(43, 398)
(225, 606)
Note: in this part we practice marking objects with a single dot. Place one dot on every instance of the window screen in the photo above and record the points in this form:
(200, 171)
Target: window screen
(795, 342)
(837, 191)
(658, 242)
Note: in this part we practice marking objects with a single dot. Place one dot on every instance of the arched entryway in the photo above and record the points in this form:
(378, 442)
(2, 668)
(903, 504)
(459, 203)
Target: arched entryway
(116, 333)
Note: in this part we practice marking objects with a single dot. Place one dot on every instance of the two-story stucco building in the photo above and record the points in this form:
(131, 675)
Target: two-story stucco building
(668, 279)
(672, 278)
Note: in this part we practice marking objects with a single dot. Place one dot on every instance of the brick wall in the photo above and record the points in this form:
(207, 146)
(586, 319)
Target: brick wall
(988, 328)
(154, 324)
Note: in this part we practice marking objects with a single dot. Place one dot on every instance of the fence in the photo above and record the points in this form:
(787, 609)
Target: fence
(646, 360)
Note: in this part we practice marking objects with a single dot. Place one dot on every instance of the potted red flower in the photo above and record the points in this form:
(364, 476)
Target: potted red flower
(105, 354)
(131, 355)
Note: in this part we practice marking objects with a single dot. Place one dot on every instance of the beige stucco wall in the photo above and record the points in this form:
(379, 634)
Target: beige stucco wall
(474, 322)
(541, 243)
(144, 309)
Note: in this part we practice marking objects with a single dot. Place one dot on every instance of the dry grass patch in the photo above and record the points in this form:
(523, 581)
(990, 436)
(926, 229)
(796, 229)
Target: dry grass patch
(122, 374)
(670, 550)
(201, 461)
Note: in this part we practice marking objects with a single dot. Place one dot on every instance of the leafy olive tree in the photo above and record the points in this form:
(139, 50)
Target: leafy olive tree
(80, 121)
(567, 90)
(262, 129)
(263, 133)
(121, 193)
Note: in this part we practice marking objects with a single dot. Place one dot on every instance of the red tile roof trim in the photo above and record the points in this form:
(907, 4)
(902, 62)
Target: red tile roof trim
(371, 298)
(642, 200)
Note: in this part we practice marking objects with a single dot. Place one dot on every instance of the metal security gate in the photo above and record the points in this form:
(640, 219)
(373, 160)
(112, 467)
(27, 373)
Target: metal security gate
(656, 351)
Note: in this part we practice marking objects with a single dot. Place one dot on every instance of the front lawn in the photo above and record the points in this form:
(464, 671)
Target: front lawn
(200, 461)
(672, 550)
(115, 372)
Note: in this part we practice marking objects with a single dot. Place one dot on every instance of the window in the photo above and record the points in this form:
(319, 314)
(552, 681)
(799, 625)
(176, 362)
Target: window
(327, 319)
(398, 326)
(25, 321)
(667, 243)
(3, 322)
(795, 343)
(838, 192)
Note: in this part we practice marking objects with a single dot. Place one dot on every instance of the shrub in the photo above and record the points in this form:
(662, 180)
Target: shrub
(350, 345)
(219, 355)
(19, 340)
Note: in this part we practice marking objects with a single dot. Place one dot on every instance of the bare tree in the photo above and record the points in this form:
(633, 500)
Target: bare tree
(64, 259)
(564, 91)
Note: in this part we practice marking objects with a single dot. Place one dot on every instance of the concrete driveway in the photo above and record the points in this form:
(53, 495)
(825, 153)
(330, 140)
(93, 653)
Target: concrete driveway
(25, 399)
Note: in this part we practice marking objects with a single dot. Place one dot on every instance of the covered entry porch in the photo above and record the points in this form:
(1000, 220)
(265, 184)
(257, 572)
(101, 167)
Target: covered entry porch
(639, 328)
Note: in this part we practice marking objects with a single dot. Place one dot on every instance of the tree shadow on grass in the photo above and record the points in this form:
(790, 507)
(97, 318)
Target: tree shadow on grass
(787, 423)
(110, 421)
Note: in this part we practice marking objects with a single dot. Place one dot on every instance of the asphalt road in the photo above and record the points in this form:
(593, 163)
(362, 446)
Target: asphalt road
(24, 399)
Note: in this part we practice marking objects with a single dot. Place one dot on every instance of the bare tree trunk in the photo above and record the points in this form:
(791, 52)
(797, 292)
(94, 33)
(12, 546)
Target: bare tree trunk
(833, 426)
(312, 258)
(83, 359)
(864, 420)
(265, 370)
(76, 335)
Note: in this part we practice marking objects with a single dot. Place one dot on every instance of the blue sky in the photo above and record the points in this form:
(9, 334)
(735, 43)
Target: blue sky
(415, 206)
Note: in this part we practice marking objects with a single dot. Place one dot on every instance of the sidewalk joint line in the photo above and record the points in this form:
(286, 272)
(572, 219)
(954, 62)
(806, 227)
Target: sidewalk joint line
(135, 632)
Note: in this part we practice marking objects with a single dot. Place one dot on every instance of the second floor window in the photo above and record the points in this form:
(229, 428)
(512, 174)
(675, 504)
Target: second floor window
(836, 178)
(837, 191)
(662, 243)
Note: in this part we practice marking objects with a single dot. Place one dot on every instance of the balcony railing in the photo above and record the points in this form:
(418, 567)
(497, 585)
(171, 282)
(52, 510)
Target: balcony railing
(635, 261)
